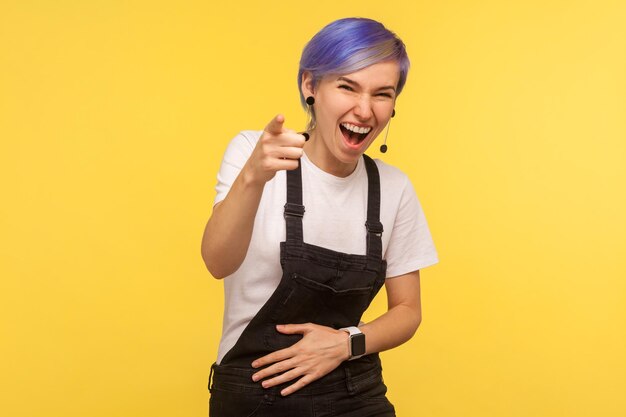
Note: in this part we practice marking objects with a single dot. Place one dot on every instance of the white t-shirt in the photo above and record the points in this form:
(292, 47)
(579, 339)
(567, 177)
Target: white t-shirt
(336, 210)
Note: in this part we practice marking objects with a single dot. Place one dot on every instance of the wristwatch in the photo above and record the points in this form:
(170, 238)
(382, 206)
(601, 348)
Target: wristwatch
(356, 341)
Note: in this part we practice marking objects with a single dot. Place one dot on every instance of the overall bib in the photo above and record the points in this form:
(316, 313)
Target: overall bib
(319, 286)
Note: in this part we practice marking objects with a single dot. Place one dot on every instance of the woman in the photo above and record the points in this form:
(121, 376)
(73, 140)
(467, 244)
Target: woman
(306, 229)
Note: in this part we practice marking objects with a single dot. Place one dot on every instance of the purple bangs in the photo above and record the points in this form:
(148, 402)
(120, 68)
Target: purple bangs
(348, 45)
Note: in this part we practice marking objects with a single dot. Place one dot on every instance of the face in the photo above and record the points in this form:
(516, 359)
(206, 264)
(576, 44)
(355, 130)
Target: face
(351, 111)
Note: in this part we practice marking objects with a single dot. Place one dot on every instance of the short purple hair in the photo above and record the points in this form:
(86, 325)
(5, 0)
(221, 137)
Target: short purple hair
(348, 45)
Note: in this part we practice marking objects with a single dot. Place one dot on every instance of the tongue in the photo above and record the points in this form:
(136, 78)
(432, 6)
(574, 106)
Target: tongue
(352, 137)
(355, 138)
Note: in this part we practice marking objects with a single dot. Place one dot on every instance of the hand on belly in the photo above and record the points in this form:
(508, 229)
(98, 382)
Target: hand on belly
(321, 350)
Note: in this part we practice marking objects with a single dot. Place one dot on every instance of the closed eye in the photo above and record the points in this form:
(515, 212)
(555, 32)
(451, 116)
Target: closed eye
(348, 88)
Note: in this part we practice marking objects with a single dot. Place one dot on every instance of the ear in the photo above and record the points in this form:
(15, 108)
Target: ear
(308, 84)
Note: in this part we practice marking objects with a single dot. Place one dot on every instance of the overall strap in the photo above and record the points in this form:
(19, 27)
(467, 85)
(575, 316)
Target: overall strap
(373, 225)
(294, 210)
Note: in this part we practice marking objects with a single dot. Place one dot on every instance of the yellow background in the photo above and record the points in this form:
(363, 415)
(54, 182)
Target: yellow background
(113, 119)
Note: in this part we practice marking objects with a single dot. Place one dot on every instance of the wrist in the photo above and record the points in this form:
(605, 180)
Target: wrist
(345, 345)
(249, 179)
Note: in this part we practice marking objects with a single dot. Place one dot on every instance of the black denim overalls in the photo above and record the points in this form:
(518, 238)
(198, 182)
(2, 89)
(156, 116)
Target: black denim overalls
(319, 286)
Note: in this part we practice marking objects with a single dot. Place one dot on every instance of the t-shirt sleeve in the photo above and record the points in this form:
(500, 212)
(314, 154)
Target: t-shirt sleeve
(411, 245)
(237, 153)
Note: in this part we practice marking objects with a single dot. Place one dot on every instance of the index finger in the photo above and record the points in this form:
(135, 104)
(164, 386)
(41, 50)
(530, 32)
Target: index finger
(275, 126)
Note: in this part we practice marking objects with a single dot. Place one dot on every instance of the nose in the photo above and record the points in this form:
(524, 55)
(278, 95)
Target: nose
(363, 107)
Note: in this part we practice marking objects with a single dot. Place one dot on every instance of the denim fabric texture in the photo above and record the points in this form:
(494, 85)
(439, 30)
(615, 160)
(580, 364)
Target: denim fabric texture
(319, 286)
(354, 389)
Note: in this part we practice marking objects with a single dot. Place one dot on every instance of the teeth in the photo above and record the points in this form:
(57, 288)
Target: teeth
(356, 129)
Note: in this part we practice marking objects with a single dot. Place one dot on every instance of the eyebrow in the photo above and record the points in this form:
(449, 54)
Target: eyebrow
(349, 81)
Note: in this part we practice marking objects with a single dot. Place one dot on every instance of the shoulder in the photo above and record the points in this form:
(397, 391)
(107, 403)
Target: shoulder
(237, 153)
(397, 190)
(391, 175)
(241, 146)
(246, 138)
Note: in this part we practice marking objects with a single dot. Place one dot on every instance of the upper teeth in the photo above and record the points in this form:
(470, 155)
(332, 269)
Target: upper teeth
(356, 129)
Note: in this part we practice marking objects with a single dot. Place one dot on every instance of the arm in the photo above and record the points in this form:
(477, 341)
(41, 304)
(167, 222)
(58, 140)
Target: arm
(322, 348)
(402, 318)
(227, 233)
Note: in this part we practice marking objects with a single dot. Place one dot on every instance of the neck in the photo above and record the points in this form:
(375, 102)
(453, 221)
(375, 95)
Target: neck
(318, 153)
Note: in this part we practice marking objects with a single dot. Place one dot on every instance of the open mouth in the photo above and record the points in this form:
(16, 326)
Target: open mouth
(354, 135)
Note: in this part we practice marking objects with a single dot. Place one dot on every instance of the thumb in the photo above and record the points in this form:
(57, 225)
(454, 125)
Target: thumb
(275, 126)
(293, 328)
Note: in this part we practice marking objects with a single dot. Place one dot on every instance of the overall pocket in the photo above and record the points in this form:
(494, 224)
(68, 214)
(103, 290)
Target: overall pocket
(305, 300)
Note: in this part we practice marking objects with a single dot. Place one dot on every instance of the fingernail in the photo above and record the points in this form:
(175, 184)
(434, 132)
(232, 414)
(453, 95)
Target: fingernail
(283, 392)
(264, 383)
(255, 364)
(255, 378)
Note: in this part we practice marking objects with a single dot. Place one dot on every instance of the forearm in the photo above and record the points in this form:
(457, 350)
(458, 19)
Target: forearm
(391, 329)
(227, 234)
(229, 230)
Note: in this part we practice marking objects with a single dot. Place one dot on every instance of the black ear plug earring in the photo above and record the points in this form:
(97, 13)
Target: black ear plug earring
(310, 100)
(383, 147)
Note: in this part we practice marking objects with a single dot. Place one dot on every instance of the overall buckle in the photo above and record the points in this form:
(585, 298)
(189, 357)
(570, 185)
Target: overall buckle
(374, 227)
(296, 210)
